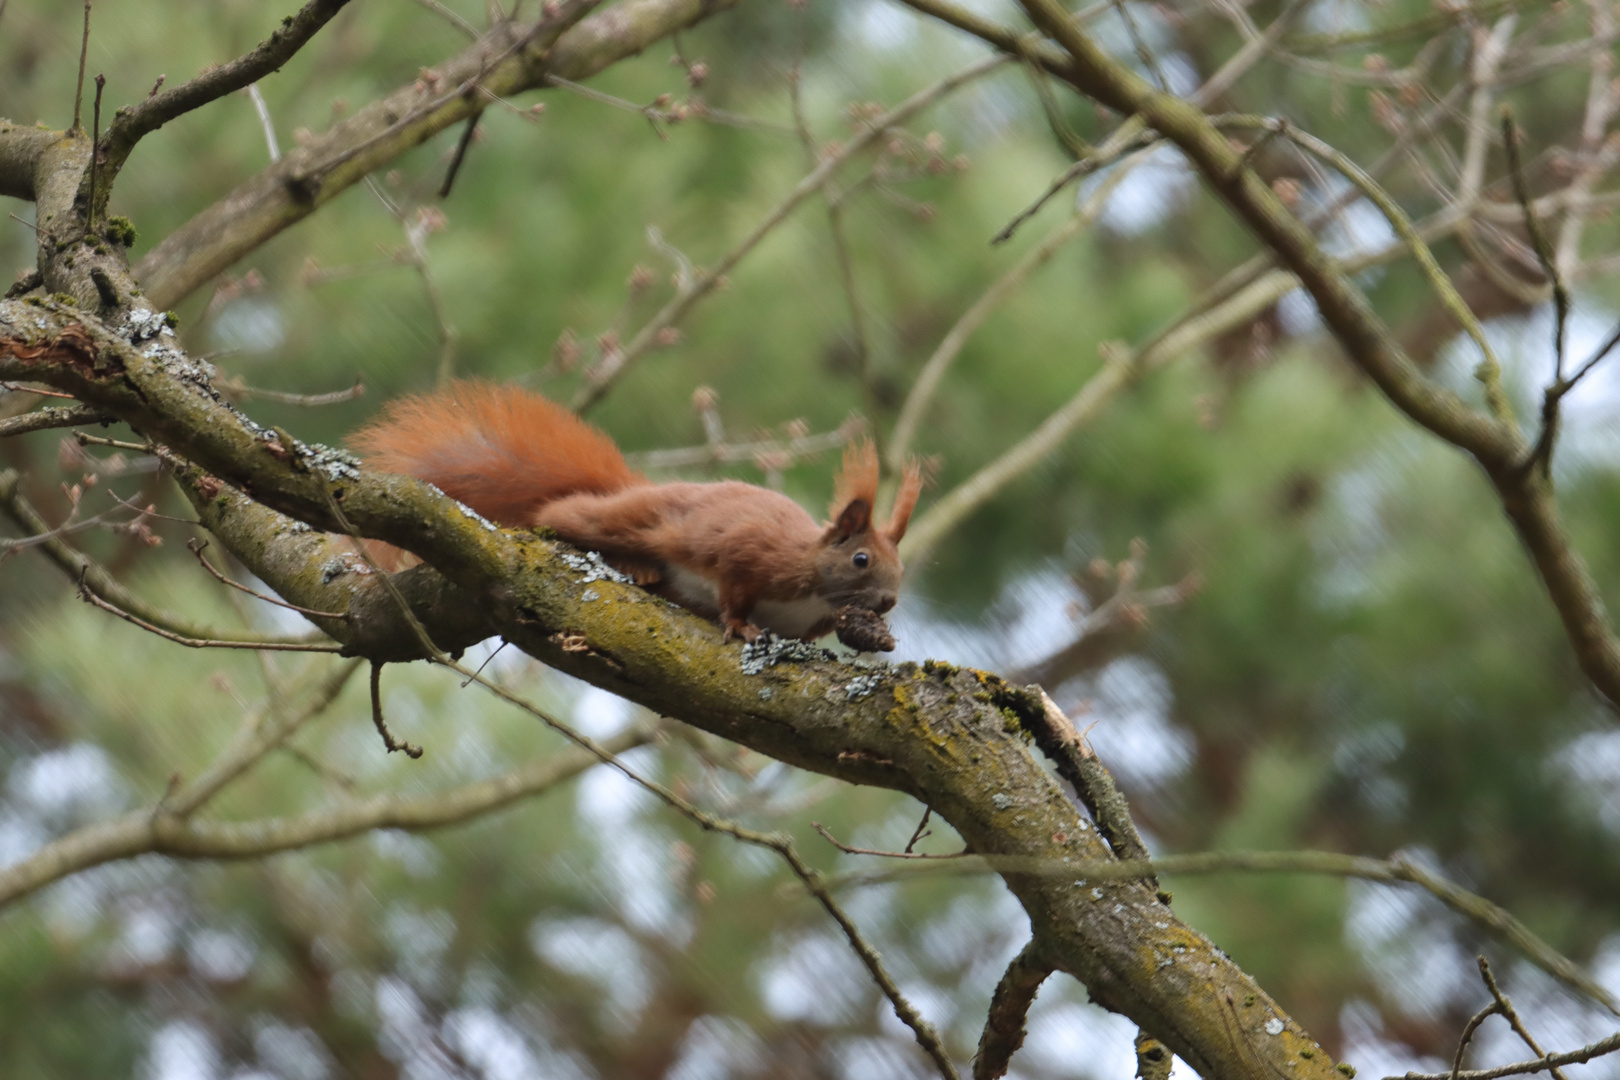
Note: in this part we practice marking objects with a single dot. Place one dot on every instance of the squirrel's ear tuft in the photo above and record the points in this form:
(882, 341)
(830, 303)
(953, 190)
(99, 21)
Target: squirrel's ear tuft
(905, 501)
(855, 517)
(857, 481)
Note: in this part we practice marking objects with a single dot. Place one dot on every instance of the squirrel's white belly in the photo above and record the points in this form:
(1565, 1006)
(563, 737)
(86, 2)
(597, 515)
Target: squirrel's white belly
(790, 618)
(786, 618)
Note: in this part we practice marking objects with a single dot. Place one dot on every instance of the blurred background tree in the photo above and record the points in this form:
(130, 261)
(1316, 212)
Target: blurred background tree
(1326, 637)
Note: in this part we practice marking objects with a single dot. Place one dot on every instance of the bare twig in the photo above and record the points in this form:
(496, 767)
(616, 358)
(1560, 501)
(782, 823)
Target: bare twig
(102, 285)
(1522, 1068)
(88, 573)
(1541, 453)
(921, 830)
(906, 854)
(467, 132)
(451, 17)
(724, 453)
(265, 122)
(1602, 97)
(663, 111)
(196, 547)
(88, 595)
(565, 15)
(412, 751)
(84, 438)
(1505, 1006)
(1132, 133)
(237, 390)
(835, 222)
(84, 51)
(1467, 1036)
(262, 730)
(950, 346)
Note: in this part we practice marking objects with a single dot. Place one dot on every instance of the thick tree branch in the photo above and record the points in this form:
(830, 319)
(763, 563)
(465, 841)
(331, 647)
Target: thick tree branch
(20, 151)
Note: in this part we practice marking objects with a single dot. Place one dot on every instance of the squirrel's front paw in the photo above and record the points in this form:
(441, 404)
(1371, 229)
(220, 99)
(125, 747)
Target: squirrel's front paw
(736, 628)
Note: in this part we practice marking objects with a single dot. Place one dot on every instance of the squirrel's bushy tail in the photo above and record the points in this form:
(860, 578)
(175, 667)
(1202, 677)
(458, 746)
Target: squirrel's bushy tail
(503, 450)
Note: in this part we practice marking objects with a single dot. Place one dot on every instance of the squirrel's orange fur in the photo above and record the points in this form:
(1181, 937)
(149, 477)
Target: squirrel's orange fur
(502, 450)
(745, 555)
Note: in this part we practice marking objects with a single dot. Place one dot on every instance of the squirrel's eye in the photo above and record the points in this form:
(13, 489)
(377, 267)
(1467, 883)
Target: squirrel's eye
(862, 560)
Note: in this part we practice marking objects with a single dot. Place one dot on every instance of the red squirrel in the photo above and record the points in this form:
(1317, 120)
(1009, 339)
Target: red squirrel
(748, 557)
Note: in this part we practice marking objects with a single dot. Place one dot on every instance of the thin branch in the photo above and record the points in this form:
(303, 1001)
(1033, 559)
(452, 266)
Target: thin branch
(1467, 1036)
(1009, 1008)
(265, 122)
(676, 113)
(467, 132)
(835, 223)
(1541, 453)
(52, 417)
(1346, 311)
(89, 596)
(1131, 134)
(196, 547)
(142, 831)
(919, 832)
(950, 346)
(786, 451)
(259, 733)
(465, 90)
(84, 51)
(1602, 97)
(1522, 1068)
(133, 123)
(1490, 368)
(1511, 1015)
(451, 17)
(1149, 61)
(71, 525)
(1232, 302)
(906, 854)
(237, 390)
(612, 366)
(84, 570)
(103, 284)
(1119, 366)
